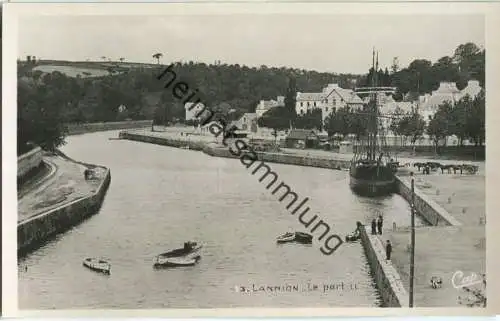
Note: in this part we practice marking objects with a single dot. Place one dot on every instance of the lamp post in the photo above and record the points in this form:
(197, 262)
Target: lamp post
(412, 249)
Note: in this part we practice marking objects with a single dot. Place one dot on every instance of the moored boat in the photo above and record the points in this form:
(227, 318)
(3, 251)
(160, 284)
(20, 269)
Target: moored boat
(98, 265)
(299, 237)
(373, 171)
(303, 237)
(285, 238)
(176, 261)
(188, 249)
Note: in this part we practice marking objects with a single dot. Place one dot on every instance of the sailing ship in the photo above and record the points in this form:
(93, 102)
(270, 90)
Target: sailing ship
(372, 170)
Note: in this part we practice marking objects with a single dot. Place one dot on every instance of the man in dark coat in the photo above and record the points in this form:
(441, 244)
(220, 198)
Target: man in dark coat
(380, 223)
(388, 250)
(374, 227)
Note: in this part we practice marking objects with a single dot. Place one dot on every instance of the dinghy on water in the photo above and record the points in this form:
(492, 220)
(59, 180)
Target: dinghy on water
(285, 238)
(97, 265)
(176, 261)
(299, 237)
(185, 256)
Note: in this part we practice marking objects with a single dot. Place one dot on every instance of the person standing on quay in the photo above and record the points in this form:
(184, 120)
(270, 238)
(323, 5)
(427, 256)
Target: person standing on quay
(374, 227)
(380, 223)
(388, 250)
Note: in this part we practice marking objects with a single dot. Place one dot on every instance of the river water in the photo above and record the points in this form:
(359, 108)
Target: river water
(160, 197)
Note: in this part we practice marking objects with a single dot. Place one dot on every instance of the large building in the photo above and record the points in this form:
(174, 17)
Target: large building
(428, 104)
(331, 98)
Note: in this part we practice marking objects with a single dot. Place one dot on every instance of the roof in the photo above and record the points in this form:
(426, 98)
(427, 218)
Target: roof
(301, 134)
(347, 95)
(267, 104)
(447, 91)
(473, 89)
(391, 106)
(310, 96)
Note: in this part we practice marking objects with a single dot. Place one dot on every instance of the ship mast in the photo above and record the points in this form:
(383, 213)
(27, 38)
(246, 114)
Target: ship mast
(372, 125)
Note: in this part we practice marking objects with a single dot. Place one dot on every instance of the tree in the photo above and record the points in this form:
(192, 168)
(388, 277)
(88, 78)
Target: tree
(122, 59)
(311, 120)
(277, 118)
(413, 126)
(437, 128)
(342, 122)
(475, 123)
(157, 56)
(40, 117)
(290, 99)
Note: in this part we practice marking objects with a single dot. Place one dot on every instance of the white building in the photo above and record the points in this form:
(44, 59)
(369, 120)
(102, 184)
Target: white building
(191, 114)
(247, 122)
(331, 98)
(447, 91)
(265, 105)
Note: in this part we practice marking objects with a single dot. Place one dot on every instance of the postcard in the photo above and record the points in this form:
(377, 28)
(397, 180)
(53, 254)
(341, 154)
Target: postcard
(249, 159)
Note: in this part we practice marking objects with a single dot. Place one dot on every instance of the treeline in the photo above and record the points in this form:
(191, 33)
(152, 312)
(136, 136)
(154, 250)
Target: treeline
(422, 76)
(47, 101)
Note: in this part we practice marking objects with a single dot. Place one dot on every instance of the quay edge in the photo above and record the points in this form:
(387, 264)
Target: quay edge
(33, 232)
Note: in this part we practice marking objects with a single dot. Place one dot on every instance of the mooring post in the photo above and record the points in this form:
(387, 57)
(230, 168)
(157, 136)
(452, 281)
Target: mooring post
(412, 252)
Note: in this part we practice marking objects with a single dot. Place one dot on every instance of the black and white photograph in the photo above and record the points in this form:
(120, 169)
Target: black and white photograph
(254, 159)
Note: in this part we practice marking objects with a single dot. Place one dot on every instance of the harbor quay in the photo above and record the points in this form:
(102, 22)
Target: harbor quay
(452, 204)
(61, 197)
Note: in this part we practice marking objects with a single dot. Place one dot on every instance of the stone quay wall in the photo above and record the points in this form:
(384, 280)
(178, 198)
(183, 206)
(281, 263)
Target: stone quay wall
(77, 129)
(281, 158)
(35, 231)
(195, 145)
(432, 212)
(387, 279)
(29, 161)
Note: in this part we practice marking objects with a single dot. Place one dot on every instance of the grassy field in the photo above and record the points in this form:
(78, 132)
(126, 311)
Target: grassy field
(73, 71)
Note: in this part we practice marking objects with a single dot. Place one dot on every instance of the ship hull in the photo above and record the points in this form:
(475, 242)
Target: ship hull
(372, 185)
(372, 188)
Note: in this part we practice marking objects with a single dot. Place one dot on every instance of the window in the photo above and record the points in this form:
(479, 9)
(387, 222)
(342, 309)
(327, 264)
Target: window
(301, 104)
(308, 104)
(326, 109)
(314, 104)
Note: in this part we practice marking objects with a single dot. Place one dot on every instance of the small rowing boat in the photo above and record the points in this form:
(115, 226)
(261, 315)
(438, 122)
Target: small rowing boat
(303, 237)
(185, 256)
(97, 265)
(285, 238)
(176, 261)
(299, 237)
(189, 248)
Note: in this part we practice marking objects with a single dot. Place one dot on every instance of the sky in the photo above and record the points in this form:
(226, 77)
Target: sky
(325, 43)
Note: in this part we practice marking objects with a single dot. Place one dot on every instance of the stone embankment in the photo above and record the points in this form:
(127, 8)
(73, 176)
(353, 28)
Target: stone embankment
(77, 129)
(28, 162)
(387, 279)
(34, 231)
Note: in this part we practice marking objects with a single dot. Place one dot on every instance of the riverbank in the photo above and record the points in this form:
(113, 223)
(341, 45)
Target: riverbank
(59, 201)
(431, 205)
(77, 129)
